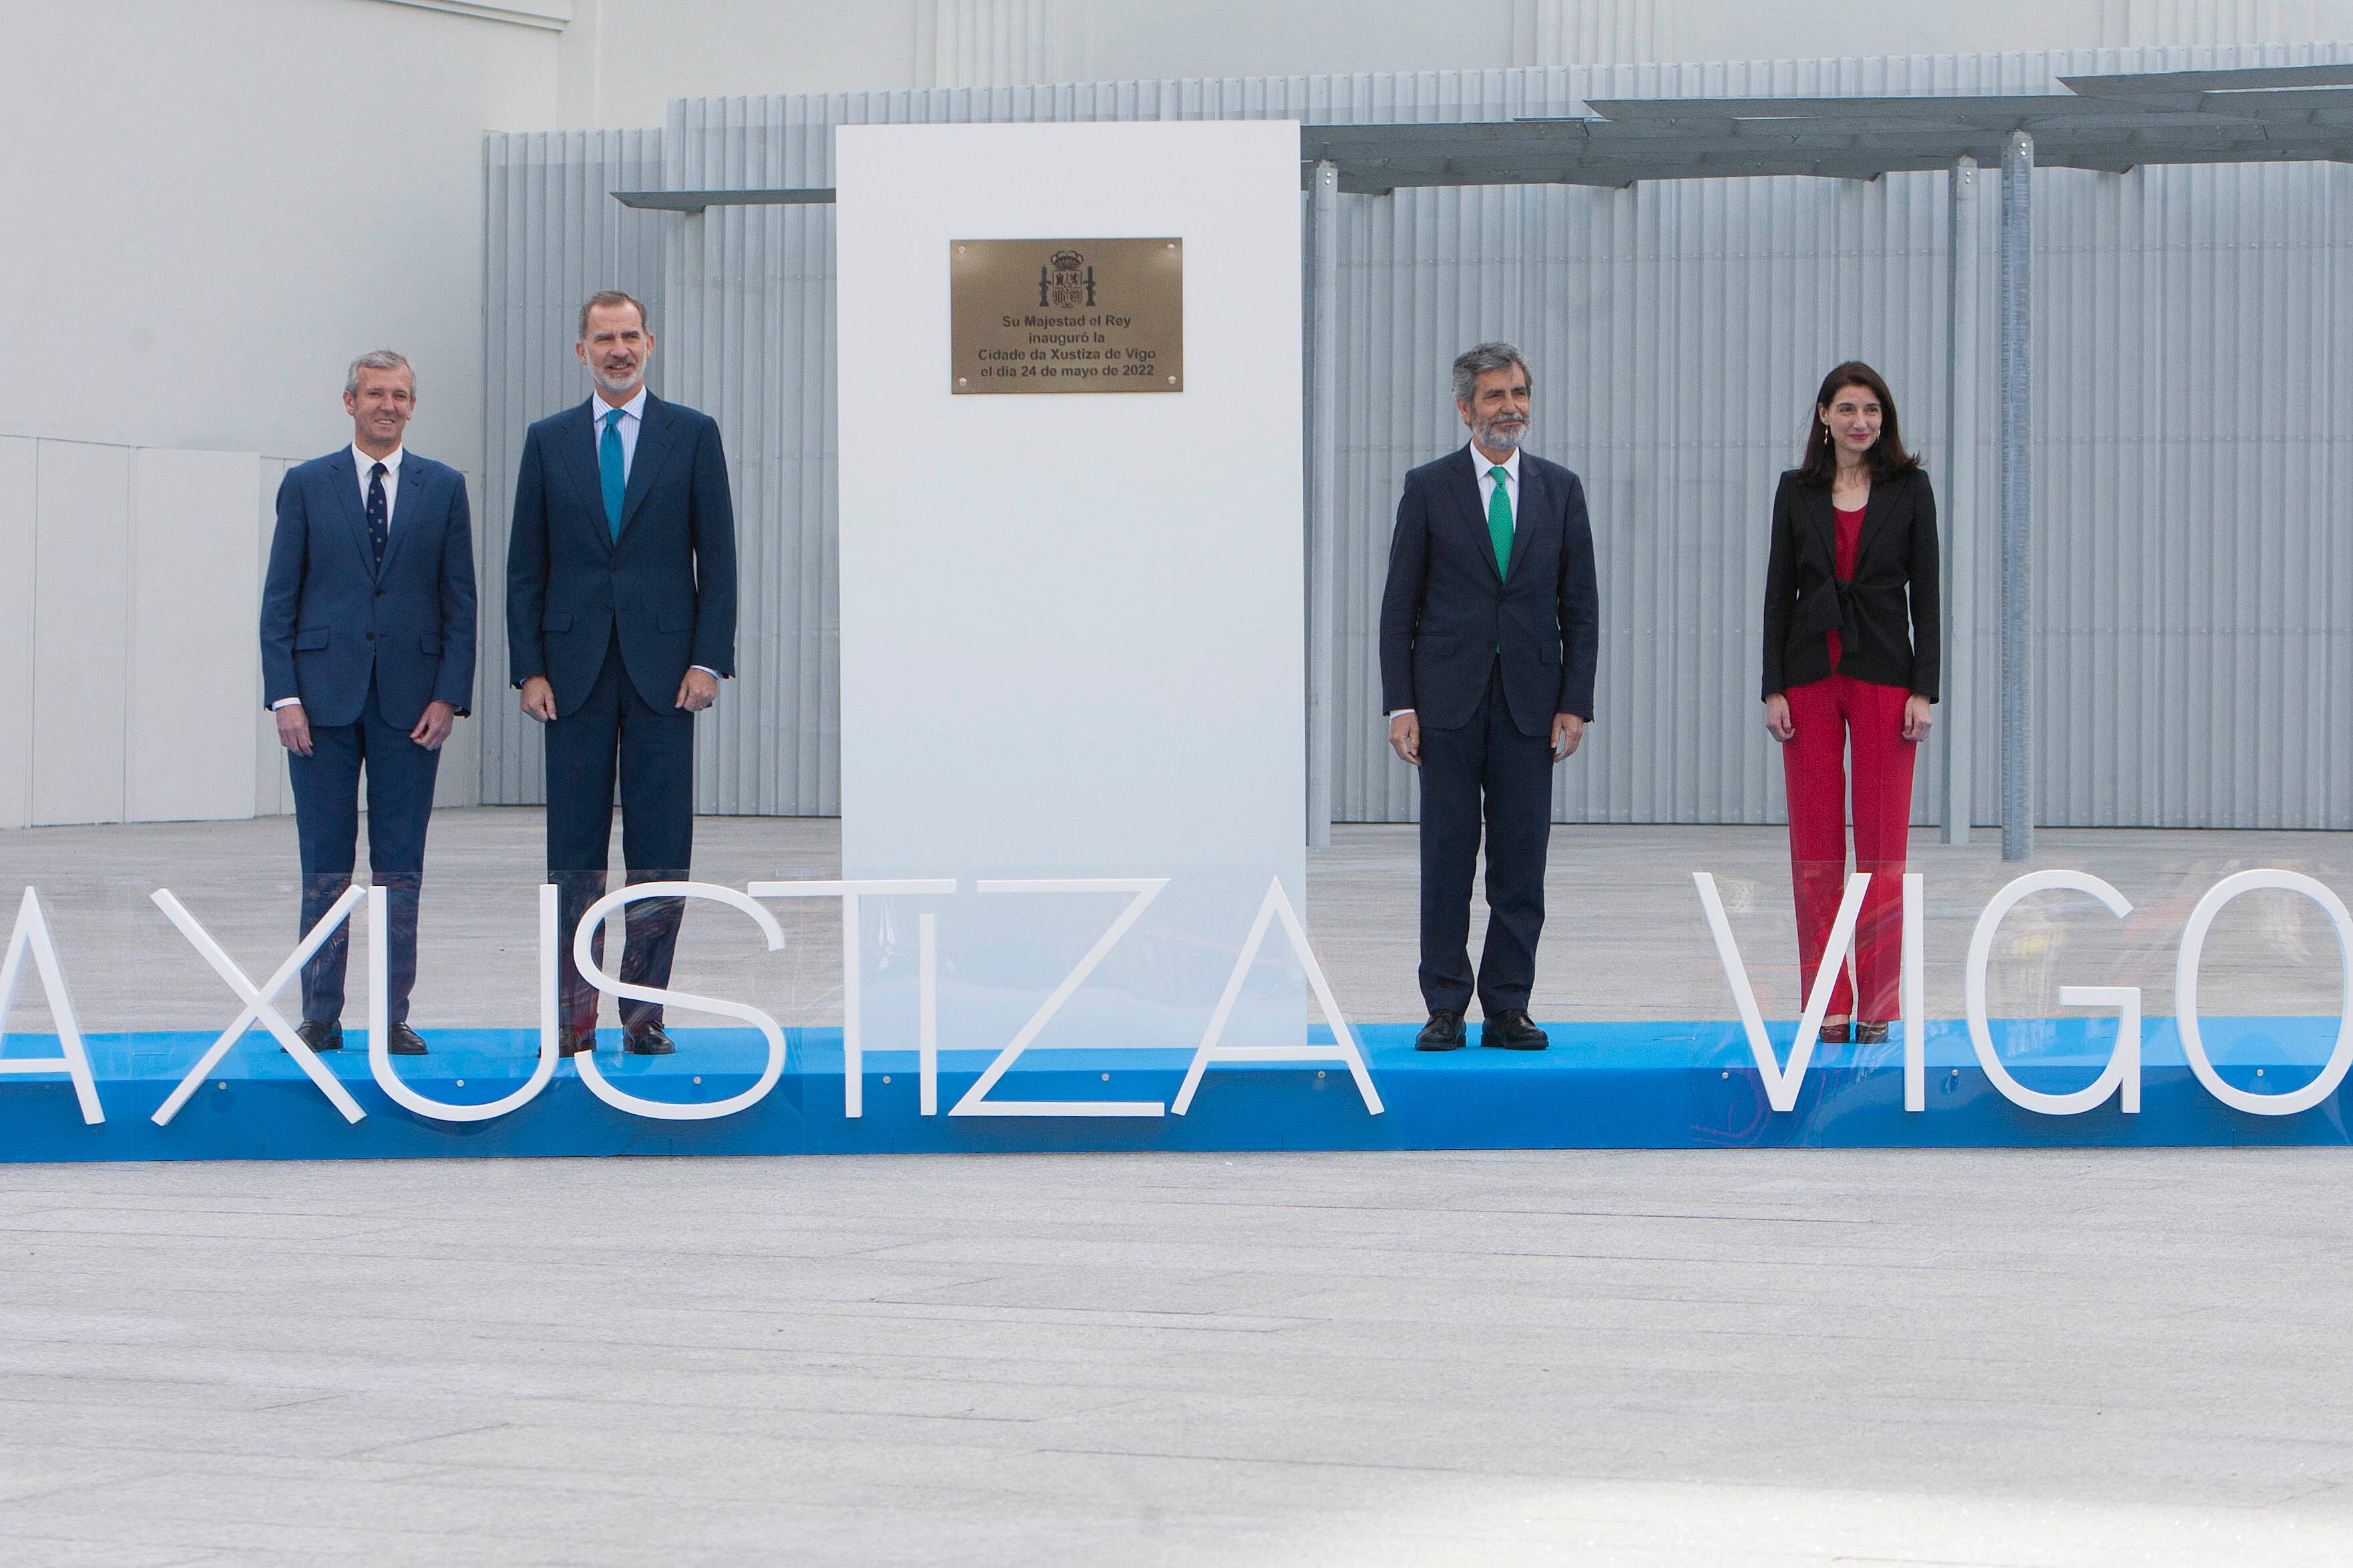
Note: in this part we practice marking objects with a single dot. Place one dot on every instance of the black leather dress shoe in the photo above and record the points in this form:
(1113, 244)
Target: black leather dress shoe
(647, 1040)
(1442, 1032)
(403, 1041)
(1514, 1030)
(571, 1041)
(321, 1034)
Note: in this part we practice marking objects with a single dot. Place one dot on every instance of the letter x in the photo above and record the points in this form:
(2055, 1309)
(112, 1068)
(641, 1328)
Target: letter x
(259, 1003)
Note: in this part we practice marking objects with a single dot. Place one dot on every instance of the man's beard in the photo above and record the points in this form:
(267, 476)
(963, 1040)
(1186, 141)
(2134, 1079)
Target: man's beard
(612, 381)
(1496, 440)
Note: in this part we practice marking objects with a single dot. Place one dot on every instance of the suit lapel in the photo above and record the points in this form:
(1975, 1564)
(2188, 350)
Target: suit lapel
(1535, 509)
(343, 479)
(1474, 509)
(408, 505)
(575, 455)
(653, 443)
(1822, 525)
(1880, 501)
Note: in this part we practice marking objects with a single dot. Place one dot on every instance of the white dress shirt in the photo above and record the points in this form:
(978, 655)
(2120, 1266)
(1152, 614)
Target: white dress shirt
(391, 461)
(1484, 470)
(633, 416)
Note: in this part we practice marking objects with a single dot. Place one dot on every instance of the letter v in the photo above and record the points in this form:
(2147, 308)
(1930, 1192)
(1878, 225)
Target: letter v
(1782, 1083)
(258, 1004)
(32, 932)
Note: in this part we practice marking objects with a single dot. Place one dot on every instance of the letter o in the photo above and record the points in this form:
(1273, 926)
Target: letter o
(2185, 993)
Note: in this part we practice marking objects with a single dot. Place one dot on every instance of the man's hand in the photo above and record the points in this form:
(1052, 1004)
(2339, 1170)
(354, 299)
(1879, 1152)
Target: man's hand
(1915, 719)
(434, 726)
(539, 699)
(1777, 722)
(293, 728)
(699, 691)
(1405, 737)
(1567, 734)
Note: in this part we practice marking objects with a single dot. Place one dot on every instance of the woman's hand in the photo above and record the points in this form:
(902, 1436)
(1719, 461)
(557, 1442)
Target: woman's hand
(1777, 722)
(1915, 719)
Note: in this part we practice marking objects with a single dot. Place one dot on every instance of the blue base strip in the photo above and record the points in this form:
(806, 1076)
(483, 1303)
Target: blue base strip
(1601, 1086)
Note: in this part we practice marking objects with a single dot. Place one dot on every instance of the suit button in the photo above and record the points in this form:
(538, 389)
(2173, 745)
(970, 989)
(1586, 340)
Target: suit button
(370, 636)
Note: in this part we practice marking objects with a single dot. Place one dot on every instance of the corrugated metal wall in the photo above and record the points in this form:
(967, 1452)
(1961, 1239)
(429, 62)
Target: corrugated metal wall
(551, 235)
(2193, 417)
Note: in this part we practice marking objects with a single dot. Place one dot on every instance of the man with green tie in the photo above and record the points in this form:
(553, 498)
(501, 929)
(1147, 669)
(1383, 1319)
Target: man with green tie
(620, 624)
(1490, 627)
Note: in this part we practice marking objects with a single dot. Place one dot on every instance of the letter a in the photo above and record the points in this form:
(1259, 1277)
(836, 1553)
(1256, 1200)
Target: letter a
(33, 931)
(1344, 1046)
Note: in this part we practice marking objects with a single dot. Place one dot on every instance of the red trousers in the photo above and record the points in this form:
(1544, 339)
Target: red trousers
(1832, 718)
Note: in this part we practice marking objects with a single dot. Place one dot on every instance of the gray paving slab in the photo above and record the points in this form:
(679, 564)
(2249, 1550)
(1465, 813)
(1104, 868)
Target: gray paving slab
(1746, 1358)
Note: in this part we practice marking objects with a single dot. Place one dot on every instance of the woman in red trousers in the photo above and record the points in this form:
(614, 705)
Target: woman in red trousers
(1851, 659)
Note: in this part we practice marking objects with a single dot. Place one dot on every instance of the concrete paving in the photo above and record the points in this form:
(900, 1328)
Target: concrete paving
(1728, 1357)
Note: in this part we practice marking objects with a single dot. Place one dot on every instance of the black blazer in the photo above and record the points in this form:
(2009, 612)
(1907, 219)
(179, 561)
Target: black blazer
(1447, 614)
(1887, 618)
(330, 620)
(667, 585)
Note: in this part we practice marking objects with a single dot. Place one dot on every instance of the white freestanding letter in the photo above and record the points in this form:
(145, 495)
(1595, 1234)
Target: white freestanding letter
(667, 1109)
(2185, 993)
(259, 1007)
(32, 933)
(380, 1022)
(2122, 1071)
(853, 1042)
(1343, 1049)
(1781, 1085)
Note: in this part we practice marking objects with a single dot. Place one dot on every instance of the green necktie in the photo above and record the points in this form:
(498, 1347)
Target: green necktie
(1499, 521)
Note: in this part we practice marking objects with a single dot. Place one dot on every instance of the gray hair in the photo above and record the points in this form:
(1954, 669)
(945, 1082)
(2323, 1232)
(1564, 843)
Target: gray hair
(606, 298)
(378, 359)
(1474, 362)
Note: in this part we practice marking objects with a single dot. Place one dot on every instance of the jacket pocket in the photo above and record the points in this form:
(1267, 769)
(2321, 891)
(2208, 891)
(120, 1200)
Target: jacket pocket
(309, 639)
(1433, 648)
(555, 622)
(428, 645)
(674, 621)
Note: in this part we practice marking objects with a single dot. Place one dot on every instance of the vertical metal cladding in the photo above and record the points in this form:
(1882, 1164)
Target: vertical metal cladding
(552, 234)
(2192, 409)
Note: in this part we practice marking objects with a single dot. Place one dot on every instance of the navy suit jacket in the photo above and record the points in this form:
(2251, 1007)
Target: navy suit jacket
(330, 620)
(667, 585)
(1448, 613)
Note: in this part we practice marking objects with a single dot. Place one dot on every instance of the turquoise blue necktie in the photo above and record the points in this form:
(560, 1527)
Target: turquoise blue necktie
(1499, 519)
(608, 470)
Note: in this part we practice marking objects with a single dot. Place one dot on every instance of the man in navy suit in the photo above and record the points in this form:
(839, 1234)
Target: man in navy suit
(620, 624)
(1490, 625)
(367, 659)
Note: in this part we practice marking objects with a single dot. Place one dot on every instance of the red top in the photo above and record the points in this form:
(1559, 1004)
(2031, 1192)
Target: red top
(1849, 544)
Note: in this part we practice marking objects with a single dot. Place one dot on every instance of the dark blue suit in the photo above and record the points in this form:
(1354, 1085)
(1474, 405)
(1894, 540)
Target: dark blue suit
(1486, 661)
(614, 625)
(366, 649)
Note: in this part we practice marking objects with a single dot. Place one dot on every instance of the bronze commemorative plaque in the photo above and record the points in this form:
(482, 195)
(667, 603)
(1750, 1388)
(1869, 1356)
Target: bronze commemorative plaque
(1066, 315)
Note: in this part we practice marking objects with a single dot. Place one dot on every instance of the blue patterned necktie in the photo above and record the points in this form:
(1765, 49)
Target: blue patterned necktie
(379, 516)
(608, 470)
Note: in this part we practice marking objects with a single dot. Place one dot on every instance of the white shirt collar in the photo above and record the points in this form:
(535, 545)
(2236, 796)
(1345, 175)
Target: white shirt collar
(1480, 465)
(634, 408)
(391, 461)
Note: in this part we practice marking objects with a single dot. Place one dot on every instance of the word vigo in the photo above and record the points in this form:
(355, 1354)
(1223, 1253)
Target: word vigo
(2120, 1077)
(31, 937)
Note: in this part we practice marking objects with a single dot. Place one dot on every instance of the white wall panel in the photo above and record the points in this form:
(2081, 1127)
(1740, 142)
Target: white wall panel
(18, 462)
(194, 596)
(81, 631)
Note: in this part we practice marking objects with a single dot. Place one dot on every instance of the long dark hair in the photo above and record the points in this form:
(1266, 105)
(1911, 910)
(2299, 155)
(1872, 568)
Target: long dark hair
(1887, 457)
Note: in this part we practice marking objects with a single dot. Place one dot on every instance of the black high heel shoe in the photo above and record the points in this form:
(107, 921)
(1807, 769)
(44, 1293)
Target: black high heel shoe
(1870, 1034)
(1835, 1034)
